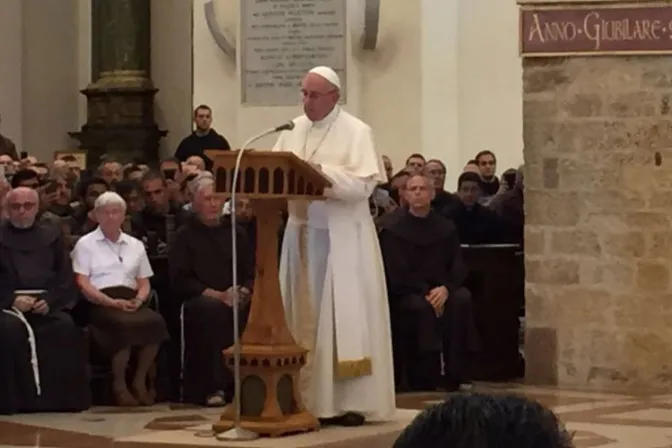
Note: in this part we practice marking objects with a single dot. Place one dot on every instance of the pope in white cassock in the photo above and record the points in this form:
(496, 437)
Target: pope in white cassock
(331, 270)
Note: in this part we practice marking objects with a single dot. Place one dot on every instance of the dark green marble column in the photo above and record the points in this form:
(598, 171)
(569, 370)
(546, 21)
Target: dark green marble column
(120, 119)
(123, 33)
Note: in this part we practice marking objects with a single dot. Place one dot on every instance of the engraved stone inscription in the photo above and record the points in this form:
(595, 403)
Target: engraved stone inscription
(281, 40)
(596, 31)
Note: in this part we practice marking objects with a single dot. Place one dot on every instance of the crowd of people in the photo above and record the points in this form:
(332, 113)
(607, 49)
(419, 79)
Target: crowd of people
(484, 208)
(128, 269)
(121, 221)
(86, 281)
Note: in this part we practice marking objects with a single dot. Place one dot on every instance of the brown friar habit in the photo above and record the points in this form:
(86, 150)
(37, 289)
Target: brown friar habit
(201, 258)
(421, 253)
(36, 259)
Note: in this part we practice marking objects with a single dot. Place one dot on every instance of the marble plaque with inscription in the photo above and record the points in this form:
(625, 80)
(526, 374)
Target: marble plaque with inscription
(281, 40)
(607, 30)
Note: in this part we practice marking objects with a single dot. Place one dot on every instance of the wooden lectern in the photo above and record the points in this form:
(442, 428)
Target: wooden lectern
(270, 360)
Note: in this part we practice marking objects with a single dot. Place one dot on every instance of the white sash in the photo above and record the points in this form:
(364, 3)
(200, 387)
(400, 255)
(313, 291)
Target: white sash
(33, 347)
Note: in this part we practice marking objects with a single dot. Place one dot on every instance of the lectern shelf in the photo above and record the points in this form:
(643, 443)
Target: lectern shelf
(267, 174)
(271, 360)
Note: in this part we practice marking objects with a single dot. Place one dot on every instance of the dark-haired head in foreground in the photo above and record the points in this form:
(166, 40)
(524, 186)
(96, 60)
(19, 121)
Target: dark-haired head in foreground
(485, 421)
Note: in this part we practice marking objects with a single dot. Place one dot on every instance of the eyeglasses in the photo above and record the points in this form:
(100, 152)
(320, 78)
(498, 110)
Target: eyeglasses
(27, 206)
(315, 95)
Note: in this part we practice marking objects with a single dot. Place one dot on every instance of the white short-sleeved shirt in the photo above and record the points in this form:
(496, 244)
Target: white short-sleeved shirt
(108, 263)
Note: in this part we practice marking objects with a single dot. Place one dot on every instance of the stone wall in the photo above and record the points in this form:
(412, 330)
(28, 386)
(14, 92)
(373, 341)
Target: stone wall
(598, 156)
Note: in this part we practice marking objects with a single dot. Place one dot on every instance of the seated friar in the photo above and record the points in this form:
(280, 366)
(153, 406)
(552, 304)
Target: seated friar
(201, 265)
(430, 309)
(42, 352)
(30, 178)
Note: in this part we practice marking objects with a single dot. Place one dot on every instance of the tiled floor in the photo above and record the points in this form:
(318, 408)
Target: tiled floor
(597, 420)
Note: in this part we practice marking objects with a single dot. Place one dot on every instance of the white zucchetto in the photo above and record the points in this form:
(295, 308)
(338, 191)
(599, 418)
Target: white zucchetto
(329, 74)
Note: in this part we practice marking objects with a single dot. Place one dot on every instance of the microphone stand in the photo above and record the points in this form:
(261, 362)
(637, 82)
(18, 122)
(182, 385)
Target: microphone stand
(238, 433)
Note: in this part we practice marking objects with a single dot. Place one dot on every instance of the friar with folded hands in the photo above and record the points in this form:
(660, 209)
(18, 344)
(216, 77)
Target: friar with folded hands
(201, 271)
(42, 352)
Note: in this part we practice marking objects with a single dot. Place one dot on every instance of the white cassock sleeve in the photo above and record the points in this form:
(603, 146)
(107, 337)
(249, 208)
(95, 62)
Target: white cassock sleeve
(356, 180)
(346, 186)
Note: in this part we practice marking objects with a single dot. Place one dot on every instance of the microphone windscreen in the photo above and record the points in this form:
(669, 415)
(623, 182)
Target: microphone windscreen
(285, 127)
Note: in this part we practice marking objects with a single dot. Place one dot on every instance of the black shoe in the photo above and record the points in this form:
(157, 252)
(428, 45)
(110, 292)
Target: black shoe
(451, 384)
(348, 419)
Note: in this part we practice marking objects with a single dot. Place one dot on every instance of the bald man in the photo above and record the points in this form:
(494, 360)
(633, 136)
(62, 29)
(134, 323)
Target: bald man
(42, 352)
(331, 250)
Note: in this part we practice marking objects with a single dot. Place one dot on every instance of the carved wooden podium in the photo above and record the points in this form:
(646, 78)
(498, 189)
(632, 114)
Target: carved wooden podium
(270, 360)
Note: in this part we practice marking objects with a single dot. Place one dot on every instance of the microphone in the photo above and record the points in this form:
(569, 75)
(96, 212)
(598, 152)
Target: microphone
(234, 262)
(288, 126)
(285, 127)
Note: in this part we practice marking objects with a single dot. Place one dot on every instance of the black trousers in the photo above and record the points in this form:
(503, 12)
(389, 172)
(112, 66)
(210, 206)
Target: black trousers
(420, 336)
(208, 330)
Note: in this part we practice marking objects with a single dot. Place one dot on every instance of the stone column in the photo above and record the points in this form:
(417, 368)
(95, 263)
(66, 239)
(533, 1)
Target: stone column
(123, 31)
(120, 120)
(11, 76)
(598, 239)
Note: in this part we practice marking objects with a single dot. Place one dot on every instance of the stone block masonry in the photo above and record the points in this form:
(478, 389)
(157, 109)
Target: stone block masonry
(598, 161)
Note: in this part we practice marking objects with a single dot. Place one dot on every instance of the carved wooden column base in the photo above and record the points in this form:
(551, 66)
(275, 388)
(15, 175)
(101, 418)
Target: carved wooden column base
(271, 403)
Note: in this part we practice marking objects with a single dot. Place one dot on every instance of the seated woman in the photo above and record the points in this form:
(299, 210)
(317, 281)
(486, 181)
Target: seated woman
(112, 271)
